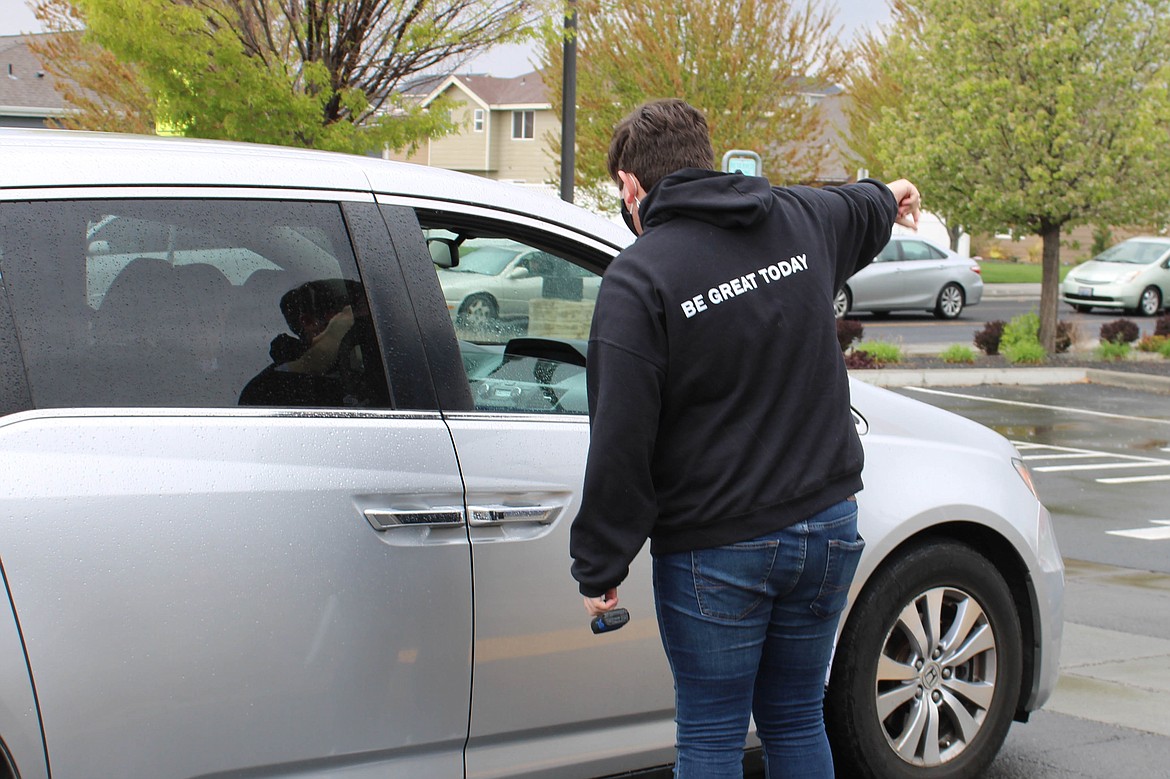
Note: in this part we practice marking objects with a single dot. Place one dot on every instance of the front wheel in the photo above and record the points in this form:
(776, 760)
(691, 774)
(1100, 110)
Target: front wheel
(478, 311)
(841, 303)
(927, 671)
(1150, 303)
(950, 302)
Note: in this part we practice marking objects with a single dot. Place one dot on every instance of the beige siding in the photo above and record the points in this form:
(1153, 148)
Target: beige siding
(420, 155)
(467, 149)
(523, 160)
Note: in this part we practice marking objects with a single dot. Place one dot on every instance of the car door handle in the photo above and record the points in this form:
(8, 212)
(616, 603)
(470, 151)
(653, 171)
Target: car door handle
(500, 514)
(438, 516)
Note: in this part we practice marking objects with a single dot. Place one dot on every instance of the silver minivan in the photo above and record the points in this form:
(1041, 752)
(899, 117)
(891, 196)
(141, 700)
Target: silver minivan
(267, 511)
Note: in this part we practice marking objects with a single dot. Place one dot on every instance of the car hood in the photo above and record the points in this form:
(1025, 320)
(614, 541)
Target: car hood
(888, 413)
(1103, 272)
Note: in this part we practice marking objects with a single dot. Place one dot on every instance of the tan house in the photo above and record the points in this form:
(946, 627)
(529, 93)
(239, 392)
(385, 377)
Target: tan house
(504, 123)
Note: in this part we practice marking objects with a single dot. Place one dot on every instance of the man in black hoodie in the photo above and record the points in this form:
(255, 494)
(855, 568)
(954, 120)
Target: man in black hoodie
(721, 431)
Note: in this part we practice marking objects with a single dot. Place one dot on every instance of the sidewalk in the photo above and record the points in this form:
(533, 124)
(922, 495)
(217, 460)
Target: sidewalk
(1011, 291)
(972, 377)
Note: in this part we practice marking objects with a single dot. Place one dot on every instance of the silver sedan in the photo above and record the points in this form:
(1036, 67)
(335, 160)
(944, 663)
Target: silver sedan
(912, 273)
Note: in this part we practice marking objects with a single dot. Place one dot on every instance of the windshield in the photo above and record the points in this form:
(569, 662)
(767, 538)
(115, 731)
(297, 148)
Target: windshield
(485, 260)
(1133, 252)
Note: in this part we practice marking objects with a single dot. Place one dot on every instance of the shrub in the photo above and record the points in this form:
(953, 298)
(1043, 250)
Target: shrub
(1153, 343)
(1111, 351)
(882, 352)
(1120, 331)
(1024, 328)
(1025, 352)
(1164, 349)
(1066, 336)
(848, 331)
(987, 339)
(1021, 340)
(855, 360)
(1162, 325)
(957, 353)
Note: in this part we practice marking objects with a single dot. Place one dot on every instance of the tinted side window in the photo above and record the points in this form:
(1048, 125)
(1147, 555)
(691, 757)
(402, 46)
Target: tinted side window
(205, 303)
(918, 250)
(522, 307)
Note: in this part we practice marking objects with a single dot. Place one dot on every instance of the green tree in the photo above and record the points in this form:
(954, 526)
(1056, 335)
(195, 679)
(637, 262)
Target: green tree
(871, 89)
(747, 64)
(103, 93)
(317, 73)
(1030, 116)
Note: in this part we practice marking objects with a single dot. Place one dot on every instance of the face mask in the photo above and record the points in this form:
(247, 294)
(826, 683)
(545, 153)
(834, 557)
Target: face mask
(627, 217)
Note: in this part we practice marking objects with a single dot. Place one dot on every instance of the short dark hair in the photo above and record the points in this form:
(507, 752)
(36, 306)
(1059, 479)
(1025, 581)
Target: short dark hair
(659, 137)
(318, 300)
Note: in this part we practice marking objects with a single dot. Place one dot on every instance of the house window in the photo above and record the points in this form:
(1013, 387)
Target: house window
(522, 125)
(477, 121)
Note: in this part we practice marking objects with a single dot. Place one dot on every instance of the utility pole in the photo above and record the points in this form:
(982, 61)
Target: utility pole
(569, 104)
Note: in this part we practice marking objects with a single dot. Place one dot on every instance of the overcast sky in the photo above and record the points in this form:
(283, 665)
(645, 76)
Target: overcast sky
(16, 18)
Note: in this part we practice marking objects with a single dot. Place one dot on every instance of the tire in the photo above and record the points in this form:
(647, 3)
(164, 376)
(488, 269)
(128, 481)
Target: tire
(1150, 303)
(842, 303)
(478, 310)
(967, 685)
(950, 302)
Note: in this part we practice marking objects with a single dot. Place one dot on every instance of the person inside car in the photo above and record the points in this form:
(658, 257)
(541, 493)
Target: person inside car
(323, 363)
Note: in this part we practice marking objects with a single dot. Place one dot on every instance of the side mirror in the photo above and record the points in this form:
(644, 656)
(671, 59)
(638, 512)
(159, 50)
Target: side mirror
(519, 273)
(98, 247)
(444, 252)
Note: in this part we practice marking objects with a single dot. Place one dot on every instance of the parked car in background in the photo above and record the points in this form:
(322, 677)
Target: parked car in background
(497, 279)
(912, 273)
(1132, 276)
(268, 511)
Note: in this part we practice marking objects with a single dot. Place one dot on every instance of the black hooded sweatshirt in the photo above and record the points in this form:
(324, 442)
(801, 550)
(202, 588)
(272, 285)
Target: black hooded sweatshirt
(718, 396)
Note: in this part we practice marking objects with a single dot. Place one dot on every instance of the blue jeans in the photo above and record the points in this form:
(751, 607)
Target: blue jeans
(748, 629)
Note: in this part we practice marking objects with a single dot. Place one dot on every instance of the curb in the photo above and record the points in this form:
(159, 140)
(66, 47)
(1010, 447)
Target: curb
(969, 377)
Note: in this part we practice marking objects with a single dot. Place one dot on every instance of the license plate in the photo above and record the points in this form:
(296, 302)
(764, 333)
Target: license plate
(1085, 291)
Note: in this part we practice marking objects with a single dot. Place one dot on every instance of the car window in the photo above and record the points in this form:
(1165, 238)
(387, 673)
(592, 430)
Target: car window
(890, 252)
(205, 303)
(1135, 252)
(521, 306)
(920, 250)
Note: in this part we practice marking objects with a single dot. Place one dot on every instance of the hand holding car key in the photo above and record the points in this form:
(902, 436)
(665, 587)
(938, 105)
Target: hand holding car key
(609, 621)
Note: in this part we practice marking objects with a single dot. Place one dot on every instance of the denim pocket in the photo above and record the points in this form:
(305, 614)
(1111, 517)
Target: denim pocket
(840, 565)
(730, 581)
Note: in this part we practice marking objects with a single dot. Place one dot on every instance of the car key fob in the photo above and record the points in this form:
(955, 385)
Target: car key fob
(610, 620)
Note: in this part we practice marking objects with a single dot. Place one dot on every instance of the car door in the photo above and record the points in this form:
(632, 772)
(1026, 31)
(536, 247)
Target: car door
(549, 698)
(209, 588)
(925, 271)
(879, 284)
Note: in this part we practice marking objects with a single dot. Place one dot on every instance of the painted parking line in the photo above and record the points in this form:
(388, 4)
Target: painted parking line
(1160, 533)
(1025, 404)
(1034, 452)
(1135, 479)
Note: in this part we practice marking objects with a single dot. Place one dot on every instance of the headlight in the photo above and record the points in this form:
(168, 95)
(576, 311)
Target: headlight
(1133, 274)
(1026, 475)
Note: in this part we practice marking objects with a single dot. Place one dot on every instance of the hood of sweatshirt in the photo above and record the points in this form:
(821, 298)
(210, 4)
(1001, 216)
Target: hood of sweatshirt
(727, 200)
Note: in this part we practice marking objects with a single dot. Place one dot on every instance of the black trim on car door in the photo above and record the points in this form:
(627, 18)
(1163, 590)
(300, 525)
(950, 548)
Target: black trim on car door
(442, 348)
(14, 390)
(386, 288)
